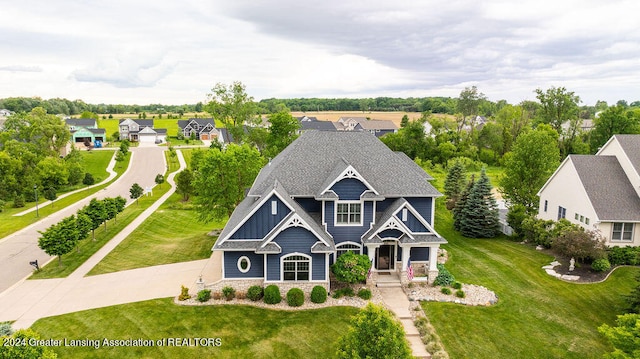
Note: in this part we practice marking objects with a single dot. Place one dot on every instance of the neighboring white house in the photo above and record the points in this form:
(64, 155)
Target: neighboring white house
(599, 192)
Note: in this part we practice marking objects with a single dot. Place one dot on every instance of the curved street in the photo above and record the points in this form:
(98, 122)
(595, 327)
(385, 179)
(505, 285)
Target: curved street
(18, 249)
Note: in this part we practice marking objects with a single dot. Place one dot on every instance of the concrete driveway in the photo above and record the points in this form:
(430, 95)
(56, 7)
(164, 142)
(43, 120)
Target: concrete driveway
(18, 249)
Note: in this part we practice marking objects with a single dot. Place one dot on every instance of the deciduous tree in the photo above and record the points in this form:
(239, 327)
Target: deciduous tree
(535, 156)
(135, 192)
(97, 213)
(231, 105)
(60, 238)
(222, 179)
(612, 121)
(184, 184)
(159, 179)
(624, 337)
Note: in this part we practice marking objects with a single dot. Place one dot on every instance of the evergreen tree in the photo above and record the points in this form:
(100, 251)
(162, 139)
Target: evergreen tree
(458, 208)
(479, 216)
(454, 183)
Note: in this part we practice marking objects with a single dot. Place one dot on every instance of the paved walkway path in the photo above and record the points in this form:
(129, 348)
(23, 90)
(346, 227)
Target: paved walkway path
(21, 247)
(396, 300)
(31, 300)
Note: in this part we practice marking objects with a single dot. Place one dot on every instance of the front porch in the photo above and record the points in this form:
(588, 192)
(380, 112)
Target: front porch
(389, 260)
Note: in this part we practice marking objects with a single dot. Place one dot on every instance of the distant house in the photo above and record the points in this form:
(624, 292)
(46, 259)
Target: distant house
(141, 131)
(327, 193)
(377, 127)
(312, 123)
(4, 113)
(85, 131)
(201, 128)
(586, 125)
(599, 192)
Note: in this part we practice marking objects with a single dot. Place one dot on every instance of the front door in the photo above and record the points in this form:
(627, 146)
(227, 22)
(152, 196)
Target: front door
(385, 257)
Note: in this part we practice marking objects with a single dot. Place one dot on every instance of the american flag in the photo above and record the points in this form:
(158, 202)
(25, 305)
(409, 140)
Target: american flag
(409, 270)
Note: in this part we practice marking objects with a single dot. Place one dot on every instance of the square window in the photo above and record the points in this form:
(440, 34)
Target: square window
(586, 220)
(581, 218)
(348, 213)
(577, 216)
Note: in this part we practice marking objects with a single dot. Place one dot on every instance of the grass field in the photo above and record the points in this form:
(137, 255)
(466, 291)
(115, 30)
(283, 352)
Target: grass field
(96, 162)
(10, 223)
(537, 316)
(244, 332)
(170, 235)
(395, 116)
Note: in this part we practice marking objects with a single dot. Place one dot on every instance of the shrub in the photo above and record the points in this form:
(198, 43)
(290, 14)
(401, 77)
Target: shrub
(516, 215)
(2, 204)
(318, 294)
(444, 277)
(228, 293)
(445, 290)
(5, 329)
(217, 295)
(460, 294)
(537, 231)
(347, 291)
(364, 293)
(272, 294)
(184, 293)
(255, 293)
(204, 295)
(241, 295)
(88, 179)
(580, 244)
(295, 297)
(18, 201)
(623, 255)
(457, 285)
(601, 265)
(351, 267)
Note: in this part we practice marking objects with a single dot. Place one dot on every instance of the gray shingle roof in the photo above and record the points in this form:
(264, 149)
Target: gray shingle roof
(81, 122)
(607, 187)
(317, 125)
(302, 168)
(631, 146)
(200, 121)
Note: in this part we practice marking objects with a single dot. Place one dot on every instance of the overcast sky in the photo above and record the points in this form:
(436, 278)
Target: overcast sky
(173, 52)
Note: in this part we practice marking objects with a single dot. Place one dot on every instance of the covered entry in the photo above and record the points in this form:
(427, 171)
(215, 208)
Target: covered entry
(385, 256)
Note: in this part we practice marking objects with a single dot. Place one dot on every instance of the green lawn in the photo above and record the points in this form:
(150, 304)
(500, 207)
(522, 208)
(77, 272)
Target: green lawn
(10, 224)
(170, 235)
(96, 162)
(244, 332)
(537, 316)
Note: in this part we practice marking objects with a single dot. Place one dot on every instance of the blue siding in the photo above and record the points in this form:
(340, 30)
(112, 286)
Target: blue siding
(399, 255)
(383, 132)
(423, 206)
(310, 204)
(296, 239)
(420, 253)
(412, 222)
(349, 189)
(383, 205)
(392, 233)
(231, 265)
(347, 233)
(262, 221)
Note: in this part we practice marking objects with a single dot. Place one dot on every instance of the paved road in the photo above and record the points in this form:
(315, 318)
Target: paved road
(18, 249)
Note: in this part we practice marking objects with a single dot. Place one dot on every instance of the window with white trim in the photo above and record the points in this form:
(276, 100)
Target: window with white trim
(296, 268)
(404, 214)
(562, 212)
(622, 232)
(274, 207)
(349, 213)
(346, 247)
(244, 264)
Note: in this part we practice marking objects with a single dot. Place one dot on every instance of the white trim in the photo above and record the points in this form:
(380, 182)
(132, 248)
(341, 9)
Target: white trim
(282, 258)
(262, 201)
(264, 262)
(373, 221)
(621, 240)
(404, 214)
(326, 266)
(349, 172)
(421, 219)
(359, 245)
(348, 224)
(223, 271)
(248, 264)
(274, 207)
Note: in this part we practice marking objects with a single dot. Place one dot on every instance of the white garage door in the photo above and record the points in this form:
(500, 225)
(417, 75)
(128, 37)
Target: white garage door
(147, 138)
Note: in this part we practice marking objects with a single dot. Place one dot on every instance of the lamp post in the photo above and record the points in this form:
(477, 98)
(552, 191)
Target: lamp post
(35, 189)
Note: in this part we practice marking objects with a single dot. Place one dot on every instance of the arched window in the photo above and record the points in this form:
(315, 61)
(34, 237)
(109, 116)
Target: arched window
(296, 267)
(345, 247)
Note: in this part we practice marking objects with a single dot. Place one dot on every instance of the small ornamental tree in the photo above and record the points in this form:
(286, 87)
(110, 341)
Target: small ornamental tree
(24, 343)
(96, 211)
(120, 203)
(159, 180)
(135, 192)
(351, 267)
(50, 194)
(60, 238)
(83, 223)
(479, 216)
(88, 179)
(374, 333)
(184, 184)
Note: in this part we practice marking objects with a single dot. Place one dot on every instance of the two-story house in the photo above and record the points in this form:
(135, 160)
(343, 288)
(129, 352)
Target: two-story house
(201, 128)
(85, 131)
(599, 192)
(377, 127)
(327, 193)
(141, 131)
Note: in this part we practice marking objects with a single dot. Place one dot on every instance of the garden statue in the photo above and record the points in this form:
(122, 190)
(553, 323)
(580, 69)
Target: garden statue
(572, 264)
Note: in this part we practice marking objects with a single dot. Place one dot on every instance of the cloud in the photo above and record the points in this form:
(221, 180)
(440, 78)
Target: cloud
(21, 68)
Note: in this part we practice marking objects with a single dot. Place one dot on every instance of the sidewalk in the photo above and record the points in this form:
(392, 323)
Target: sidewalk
(396, 300)
(31, 300)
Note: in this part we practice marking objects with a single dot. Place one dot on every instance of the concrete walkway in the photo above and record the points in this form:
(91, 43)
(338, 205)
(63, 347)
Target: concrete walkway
(396, 300)
(31, 300)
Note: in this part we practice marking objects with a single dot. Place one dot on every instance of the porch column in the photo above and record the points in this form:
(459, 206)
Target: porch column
(433, 257)
(405, 258)
(371, 252)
